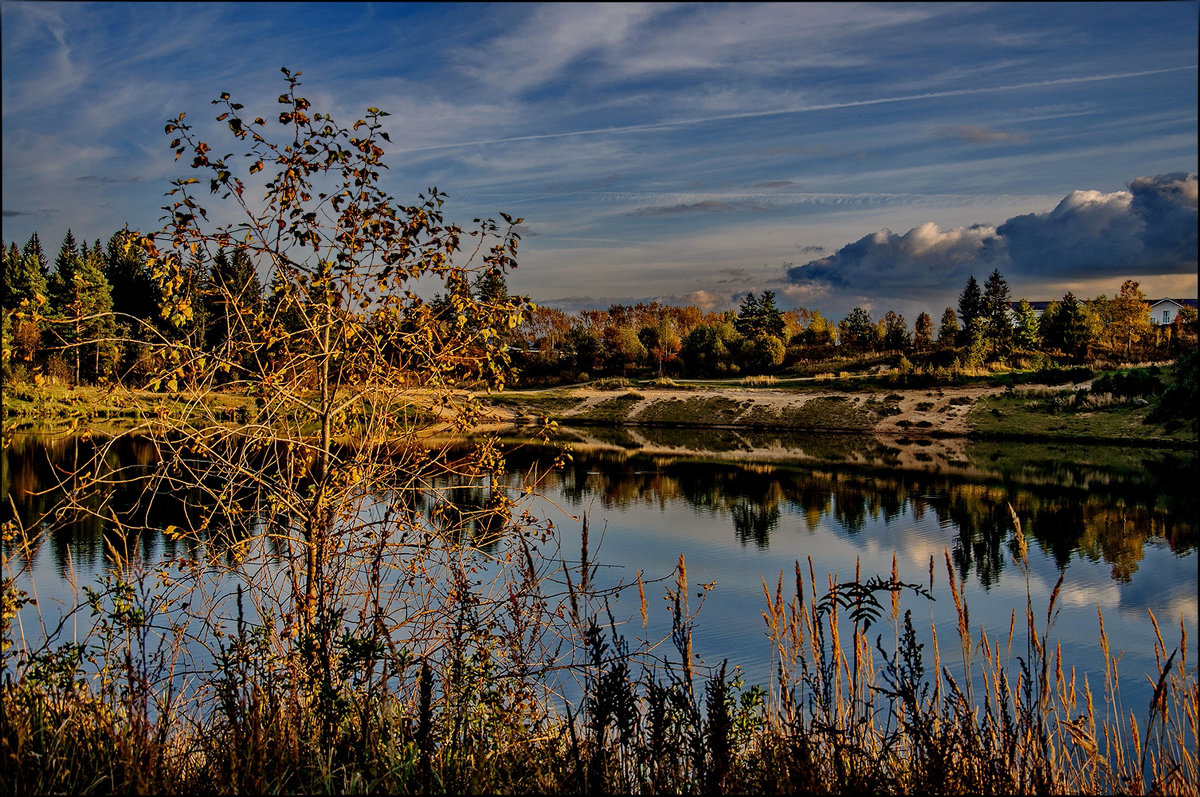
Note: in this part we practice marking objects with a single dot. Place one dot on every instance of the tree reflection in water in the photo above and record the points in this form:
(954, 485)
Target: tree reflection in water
(1069, 508)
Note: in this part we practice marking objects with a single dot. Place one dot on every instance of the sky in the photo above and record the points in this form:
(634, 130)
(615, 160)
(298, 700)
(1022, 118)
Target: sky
(841, 155)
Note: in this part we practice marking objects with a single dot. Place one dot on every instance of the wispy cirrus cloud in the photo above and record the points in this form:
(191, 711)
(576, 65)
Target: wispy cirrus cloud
(979, 134)
(703, 206)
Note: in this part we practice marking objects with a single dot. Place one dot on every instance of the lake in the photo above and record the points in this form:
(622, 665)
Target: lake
(1118, 524)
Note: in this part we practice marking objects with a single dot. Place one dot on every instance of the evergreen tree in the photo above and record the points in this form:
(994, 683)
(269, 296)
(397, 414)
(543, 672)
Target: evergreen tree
(771, 317)
(1064, 327)
(748, 315)
(1025, 331)
(61, 282)
(970, 307)
(857, 330)
(135, 294)
(491, 287)
(995, 312)
(23, 277)
(760, 316)
(92, 314)
(33, 250)
(12, 266)
(232, 293)
(81, 308)
(25, 282)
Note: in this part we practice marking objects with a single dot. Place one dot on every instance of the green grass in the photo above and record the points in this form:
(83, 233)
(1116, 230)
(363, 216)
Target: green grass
(1060, 414)
(827, 413)
(696, 411)
(613, 410)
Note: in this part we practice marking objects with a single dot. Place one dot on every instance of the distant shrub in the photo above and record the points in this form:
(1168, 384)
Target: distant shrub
(612, 383)
(759, 381)
(1061, 376)
(1130, 384)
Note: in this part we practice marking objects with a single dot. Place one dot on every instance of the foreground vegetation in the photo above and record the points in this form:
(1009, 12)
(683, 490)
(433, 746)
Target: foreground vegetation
(858, 704)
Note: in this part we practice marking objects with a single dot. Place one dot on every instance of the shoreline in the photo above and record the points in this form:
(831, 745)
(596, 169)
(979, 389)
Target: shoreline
(949, 414)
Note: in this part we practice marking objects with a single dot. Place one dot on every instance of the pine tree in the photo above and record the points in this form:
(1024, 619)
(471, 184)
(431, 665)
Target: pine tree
(33, 250)
(61, 282)
(81, 308)
(1064, 327)
(995, 313)
(490, 287)
(98, 329)
(232, 294)
(749, 315)
(1025, 331)
(135, 294)
(970, 307)
(12, 270)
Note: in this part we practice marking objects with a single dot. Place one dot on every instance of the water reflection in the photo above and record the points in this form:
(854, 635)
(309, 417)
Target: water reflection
(1098, 512)
(1088, 503)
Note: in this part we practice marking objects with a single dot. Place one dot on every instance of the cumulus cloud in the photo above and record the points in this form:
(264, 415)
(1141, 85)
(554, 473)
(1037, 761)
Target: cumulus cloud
(923, 259)
(1149, 229)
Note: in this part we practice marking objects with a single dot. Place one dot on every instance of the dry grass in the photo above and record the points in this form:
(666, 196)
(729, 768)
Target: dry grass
(470, 710)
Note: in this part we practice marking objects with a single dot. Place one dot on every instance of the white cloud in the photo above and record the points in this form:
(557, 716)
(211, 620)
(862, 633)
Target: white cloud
(1148, 230)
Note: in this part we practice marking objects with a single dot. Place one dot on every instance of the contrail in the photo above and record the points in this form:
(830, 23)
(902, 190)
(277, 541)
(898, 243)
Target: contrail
(644, 128)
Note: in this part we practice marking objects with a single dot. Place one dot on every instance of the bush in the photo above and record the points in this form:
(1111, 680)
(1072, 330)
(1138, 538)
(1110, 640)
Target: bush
(612, 383)
(1181, 401)
(1129, 384)
(1061, 376)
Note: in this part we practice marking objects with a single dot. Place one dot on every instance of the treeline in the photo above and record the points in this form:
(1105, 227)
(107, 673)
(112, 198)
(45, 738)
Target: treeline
(761, 338)
(96, 313)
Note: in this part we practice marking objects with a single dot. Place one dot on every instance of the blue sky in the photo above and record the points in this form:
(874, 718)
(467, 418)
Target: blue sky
(838, 154)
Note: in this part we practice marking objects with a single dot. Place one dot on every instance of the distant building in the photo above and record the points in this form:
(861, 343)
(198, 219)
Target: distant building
(1163, 311)
(1038, 308)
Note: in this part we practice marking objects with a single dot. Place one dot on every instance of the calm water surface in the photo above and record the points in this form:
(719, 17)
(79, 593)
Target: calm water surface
(1119, 525)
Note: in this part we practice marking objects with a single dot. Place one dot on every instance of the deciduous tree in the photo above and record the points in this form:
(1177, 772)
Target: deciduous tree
(351, 368)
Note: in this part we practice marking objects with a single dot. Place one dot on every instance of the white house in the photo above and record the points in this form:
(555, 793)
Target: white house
(1163, 311)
